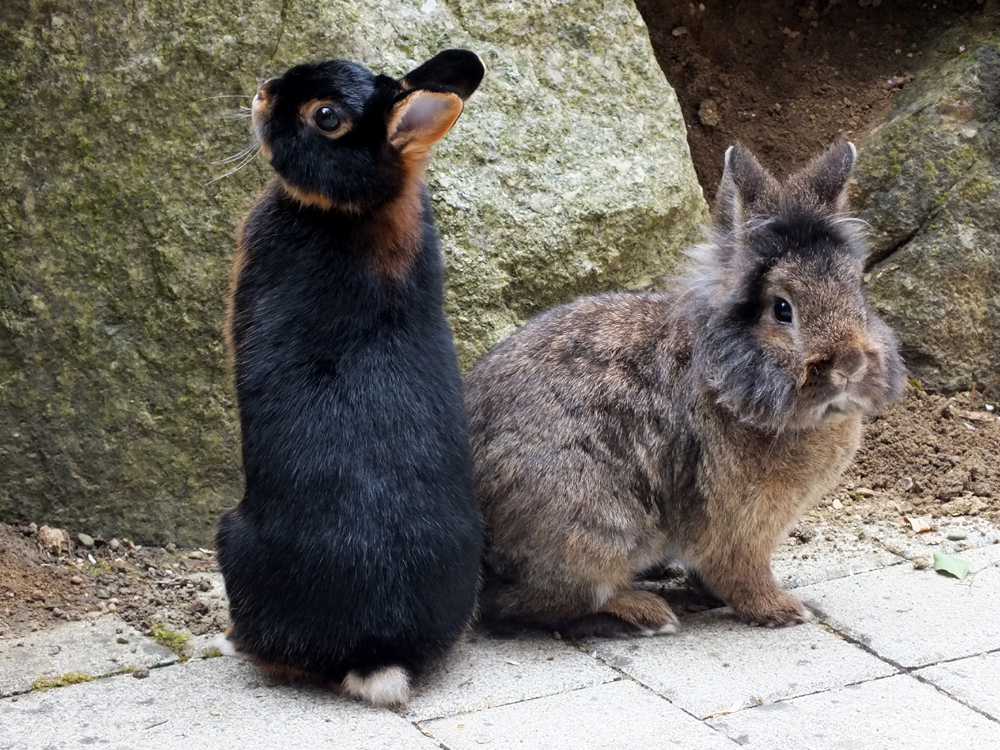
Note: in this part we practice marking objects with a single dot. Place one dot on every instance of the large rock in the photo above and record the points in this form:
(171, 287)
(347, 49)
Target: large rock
(569, 173)
(928, 182)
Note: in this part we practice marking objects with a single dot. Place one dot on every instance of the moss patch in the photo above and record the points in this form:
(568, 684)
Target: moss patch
(169, 638)
(70, 678)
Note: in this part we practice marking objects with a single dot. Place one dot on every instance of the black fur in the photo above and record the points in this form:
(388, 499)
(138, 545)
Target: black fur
(357, 543)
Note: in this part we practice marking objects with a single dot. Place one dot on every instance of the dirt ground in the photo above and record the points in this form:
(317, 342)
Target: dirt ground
(44, 582)
(788, 78)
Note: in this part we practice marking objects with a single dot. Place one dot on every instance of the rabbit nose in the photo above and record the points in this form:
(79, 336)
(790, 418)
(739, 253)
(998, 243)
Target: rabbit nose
(851, 366)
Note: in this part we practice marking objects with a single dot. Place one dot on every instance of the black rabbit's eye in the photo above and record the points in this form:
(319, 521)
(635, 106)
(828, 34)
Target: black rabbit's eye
(326, 119)
(782, 310)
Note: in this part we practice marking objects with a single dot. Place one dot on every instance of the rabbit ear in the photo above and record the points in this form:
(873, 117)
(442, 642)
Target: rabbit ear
(454, 70)
(824, 179)
(747, 189)
(421, 118)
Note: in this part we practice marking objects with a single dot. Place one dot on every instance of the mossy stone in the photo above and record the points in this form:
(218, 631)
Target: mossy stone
(568, 173)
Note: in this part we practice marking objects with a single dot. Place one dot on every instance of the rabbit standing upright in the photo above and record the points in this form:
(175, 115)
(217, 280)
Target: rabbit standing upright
(354, 554)
(621, 431)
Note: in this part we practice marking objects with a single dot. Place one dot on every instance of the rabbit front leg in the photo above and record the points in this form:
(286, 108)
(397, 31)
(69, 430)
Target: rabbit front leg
(741, 576)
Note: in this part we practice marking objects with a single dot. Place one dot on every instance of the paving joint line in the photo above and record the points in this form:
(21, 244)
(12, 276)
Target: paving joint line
(910, 671)
(959, 701)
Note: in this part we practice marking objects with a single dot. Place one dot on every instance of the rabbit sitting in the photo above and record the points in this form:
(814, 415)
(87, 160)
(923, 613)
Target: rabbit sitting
(622, 430)
(354, 554)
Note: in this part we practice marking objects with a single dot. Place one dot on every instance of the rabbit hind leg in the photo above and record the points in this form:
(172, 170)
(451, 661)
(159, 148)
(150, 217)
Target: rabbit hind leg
(628, 613)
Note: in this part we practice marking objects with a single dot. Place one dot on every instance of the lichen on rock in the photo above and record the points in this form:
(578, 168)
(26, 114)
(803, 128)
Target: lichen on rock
(928, 183)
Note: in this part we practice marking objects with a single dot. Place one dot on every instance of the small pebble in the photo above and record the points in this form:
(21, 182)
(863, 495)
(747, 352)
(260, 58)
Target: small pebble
(112, 608)
(140, 673)
(122, 639)
(102, 594)
(76, 580)
(205, 585)
(196, 555)
(837, 505)
(86, 540)
(171, 548)
(956, 536)
(679, 31)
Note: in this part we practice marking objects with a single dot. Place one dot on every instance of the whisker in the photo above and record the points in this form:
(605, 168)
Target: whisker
(249, 158)
(845, 219)
(236, 157)
(225, 96)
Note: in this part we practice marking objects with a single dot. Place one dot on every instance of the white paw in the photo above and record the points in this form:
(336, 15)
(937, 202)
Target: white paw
(670, 627)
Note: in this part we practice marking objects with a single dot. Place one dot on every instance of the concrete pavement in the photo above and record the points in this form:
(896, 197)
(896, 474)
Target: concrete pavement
(902, 658)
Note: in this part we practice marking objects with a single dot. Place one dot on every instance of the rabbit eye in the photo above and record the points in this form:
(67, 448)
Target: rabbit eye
(782, 310)
(326, 119)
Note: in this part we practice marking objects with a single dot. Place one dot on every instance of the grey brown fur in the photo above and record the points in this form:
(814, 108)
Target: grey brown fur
(620, 431)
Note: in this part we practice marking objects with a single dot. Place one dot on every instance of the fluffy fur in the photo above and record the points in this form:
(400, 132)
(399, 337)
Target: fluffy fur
(623, 430)
(354, 553)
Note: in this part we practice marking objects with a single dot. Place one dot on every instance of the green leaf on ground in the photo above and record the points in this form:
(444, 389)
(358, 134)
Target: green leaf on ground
(951, 565)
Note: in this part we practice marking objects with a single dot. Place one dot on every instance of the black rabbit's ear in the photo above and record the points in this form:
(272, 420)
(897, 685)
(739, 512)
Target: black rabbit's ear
(421, 118)
(455, 70)
(747, 189)
(824, 179)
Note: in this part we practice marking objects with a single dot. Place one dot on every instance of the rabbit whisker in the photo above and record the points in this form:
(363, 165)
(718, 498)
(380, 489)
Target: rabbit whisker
(237, 157)
(853, 219)
(249, 158)
(225, 96)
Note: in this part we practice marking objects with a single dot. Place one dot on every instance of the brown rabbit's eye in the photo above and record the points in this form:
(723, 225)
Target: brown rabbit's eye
(782, 310)
(326, 119)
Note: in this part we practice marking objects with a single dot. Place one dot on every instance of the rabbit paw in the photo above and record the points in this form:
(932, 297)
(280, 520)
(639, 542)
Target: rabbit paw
(629, 613)
(783, 609)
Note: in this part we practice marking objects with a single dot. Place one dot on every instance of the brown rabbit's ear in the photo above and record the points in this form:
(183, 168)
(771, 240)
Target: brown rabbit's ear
(747, 189)
(421, 118)
(824, 179)
(457, 70)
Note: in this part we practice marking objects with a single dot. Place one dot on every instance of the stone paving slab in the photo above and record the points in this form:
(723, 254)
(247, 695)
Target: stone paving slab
(716, 663)
(90, 647)
(484, 672)
(900, 537)
(917, 617)
(607, 717)
(974, 681)
(894, 713)
(832, 552)
(213, 704)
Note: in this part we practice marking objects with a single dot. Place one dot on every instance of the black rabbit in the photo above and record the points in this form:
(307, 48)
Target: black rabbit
(354, 554)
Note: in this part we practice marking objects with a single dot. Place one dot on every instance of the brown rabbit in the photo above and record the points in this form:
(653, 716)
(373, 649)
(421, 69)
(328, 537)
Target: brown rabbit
(623, 430)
